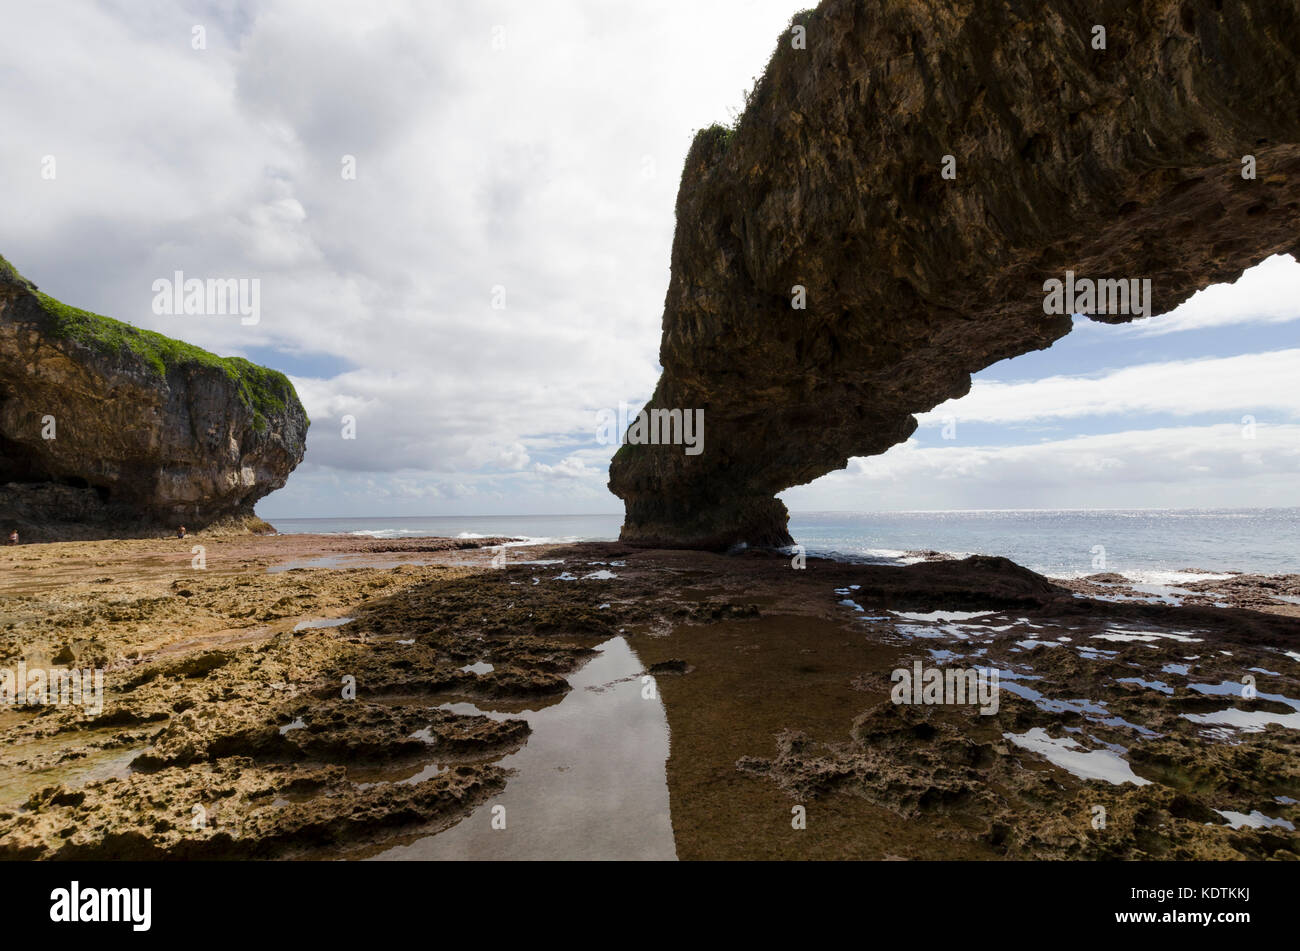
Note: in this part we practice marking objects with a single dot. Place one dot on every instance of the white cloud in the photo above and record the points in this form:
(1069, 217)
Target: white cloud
(1268, 293)
(570, 467)
(1168, 467)
(1255, 382)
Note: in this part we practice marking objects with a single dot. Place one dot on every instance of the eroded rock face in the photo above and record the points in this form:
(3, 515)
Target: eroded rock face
(148, 432)
(1122, 163)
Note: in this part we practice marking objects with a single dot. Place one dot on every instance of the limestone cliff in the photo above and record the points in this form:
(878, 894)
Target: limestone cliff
(1122, 162)
(147, 432)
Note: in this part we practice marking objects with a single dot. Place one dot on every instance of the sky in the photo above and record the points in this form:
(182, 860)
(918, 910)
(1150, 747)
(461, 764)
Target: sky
(492, 276)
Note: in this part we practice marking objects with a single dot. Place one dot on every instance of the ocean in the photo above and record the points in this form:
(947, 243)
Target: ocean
(1155, 546)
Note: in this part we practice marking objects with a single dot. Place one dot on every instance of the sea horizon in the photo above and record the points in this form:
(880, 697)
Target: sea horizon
(793, 512)
(1162, 546)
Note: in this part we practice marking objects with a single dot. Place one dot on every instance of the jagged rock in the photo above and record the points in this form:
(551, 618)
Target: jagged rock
(149, 432)
(1116, 163)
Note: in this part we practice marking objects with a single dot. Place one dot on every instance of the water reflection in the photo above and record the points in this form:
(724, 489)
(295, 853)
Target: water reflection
(589, 784)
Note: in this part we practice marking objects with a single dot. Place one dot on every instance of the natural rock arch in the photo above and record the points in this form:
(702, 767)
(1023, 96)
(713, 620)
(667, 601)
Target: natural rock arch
(1121, 163)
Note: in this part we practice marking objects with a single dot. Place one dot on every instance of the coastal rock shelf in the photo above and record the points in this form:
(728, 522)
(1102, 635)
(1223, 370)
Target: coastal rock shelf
(478, 687)
(106, 429)
(1170, 155)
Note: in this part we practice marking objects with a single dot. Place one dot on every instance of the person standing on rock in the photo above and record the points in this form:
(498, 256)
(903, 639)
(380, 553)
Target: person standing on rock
(13, 537)
(180, 532)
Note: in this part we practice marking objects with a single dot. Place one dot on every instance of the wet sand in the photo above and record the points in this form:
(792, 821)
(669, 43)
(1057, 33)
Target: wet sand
(328, 697)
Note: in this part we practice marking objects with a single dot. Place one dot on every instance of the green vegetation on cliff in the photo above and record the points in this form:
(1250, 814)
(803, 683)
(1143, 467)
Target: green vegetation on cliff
(266, 392)
(724, 133)
(8, 271)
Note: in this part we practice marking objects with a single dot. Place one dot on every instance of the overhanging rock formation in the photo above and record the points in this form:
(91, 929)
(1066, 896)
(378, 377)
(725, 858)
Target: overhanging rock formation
(1117, 163)
(147, 432)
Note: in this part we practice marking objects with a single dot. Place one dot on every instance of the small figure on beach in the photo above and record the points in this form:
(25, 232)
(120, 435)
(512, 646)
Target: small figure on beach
(180, 532)
(13, 537)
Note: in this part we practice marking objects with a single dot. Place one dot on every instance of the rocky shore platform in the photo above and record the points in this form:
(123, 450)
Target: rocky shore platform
(330, 697)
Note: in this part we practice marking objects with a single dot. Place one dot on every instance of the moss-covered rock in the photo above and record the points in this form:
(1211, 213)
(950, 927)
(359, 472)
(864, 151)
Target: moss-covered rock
(151, 431)
(264, 391)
